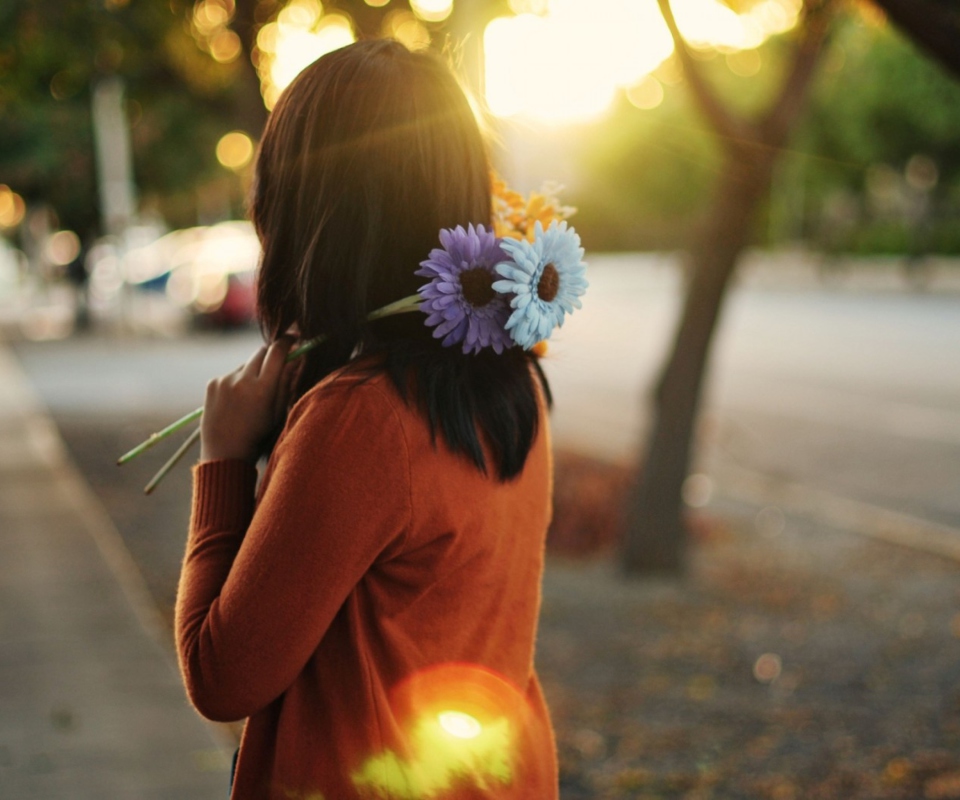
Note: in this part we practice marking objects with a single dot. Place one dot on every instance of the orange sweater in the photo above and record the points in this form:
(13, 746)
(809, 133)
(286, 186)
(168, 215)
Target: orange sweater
(373, 612)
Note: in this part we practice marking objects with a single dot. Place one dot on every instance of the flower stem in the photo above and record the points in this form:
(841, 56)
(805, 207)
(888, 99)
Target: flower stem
(159, 436)
(174, 460)
(410, 303)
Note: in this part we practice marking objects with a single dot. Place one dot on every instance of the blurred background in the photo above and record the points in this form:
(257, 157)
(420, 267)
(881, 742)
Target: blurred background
(760, 395)
(129, 128)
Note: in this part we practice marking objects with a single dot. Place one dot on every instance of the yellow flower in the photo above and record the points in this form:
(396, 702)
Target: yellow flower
(515, 217)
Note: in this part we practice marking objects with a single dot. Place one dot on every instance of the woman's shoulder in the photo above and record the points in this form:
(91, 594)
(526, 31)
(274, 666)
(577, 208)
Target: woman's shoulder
(355, 393)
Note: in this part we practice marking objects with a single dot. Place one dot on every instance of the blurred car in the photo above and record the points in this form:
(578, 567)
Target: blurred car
(206, 271)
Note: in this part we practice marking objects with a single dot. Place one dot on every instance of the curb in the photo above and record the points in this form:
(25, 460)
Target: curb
(839, 512)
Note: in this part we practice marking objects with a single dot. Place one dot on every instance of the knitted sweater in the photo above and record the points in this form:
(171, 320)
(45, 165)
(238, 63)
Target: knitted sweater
(372, 613)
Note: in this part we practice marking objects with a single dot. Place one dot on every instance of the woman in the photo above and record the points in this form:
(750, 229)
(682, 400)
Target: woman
(371, 608)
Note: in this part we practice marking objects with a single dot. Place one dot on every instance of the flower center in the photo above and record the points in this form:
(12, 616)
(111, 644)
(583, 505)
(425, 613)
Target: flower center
(477, 286)
(549, 284)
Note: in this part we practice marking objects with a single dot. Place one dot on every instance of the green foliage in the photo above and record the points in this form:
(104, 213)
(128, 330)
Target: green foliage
(51, 53)
(649, 174)
(877, 100)
(880, 100)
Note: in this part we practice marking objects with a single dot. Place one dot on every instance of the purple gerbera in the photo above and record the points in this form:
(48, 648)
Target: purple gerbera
(460, 302)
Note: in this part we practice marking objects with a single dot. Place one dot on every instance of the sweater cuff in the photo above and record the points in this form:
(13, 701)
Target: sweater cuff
(223, 495)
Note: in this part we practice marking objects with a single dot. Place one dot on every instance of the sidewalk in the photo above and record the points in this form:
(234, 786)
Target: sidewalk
(91, 705)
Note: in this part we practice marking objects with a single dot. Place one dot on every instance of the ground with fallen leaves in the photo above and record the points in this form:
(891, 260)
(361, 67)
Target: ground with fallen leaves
(792, 661)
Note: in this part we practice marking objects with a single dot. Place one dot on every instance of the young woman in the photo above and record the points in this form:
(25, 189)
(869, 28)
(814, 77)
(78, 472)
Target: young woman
(371, 607)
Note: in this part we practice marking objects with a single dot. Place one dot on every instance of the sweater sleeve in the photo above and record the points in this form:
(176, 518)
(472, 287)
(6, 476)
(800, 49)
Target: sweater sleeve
(252, 607)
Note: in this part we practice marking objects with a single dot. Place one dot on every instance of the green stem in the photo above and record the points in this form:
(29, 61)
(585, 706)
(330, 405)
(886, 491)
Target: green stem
(159, 436)
(174, 460)
(410, 303)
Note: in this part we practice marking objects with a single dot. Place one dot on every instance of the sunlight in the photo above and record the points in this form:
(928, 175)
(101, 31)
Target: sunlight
(432, 10)
(459, 724)
(301, 34)
(564, 61)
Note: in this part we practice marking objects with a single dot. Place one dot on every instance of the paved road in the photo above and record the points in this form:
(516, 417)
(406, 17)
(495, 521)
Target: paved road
(855, 393)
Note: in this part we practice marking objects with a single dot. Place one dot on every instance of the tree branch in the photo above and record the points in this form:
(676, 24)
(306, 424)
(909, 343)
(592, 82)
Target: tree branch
(779, 121)
(727, 125)
(931, 25)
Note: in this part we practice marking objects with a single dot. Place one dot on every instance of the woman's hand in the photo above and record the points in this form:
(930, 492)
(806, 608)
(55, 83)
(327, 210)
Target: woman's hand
(243, 407)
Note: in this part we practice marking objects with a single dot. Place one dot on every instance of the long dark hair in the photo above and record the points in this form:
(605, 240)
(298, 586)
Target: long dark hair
(367, 155)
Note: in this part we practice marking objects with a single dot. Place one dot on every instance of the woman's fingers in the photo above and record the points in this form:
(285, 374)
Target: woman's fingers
(254, 366)
(275, 359)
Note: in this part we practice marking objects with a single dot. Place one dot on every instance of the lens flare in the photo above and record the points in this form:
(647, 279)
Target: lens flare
(462, 724)
(458, 724)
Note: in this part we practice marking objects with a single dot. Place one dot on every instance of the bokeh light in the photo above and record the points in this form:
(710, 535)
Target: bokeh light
(300, 15)
(406, 29)
(767, 668)
(377, 3)
(565, 60)
(234, 150)
(646, 94)
(62, 248)
(744, 63)
(432, 10)
(225, 47)
(539, 7)
(211, 15)
(301, 34)
(210, 21)
(697, 490)
(12, 208)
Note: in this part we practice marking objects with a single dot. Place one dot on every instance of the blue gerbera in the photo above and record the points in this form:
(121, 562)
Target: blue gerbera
(545, 278)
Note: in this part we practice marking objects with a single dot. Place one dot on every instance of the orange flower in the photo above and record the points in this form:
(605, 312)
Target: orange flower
(515, 217)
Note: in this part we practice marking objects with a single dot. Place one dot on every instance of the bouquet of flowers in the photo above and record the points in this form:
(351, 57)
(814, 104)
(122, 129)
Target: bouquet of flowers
(500, 288)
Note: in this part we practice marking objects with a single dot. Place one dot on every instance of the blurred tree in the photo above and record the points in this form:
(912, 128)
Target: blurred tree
(932, 24)
(190, 72)
(180, 100)
(877, 102)
(750, 147)
(883, 125)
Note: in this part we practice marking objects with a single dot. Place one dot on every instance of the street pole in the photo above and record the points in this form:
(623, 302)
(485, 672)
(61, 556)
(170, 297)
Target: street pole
(111, 134)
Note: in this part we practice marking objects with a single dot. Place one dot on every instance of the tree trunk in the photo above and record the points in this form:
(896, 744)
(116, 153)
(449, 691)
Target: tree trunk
(656, 535)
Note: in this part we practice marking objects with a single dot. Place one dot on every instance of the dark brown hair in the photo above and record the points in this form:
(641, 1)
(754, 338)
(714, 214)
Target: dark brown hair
(367, 155)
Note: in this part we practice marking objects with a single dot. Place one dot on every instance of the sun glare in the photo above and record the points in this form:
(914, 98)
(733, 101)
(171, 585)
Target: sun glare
(432, 10)
(301, 34)
(459, 724)
(564, 61)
